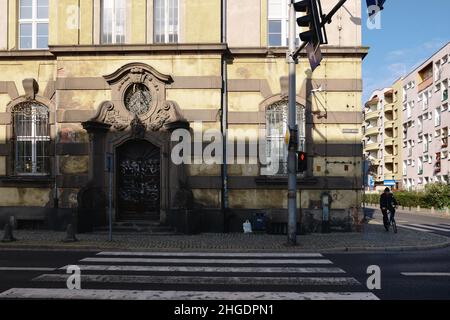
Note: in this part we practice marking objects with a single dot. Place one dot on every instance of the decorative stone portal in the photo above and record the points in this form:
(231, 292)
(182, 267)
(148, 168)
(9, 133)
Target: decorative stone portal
(134, 127)
(138, 173)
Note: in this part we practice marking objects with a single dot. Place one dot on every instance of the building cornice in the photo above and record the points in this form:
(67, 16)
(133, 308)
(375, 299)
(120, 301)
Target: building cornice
(281, 51)
(211, 48)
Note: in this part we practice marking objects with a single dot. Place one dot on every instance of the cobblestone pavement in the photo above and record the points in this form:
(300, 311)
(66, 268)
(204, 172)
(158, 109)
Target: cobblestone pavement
(373, 237)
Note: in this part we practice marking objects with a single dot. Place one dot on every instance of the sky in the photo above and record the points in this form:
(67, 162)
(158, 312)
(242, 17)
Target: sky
(411, 32)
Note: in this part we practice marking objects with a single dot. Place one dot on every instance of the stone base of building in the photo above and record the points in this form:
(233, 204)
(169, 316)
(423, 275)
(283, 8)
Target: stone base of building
(188, 221)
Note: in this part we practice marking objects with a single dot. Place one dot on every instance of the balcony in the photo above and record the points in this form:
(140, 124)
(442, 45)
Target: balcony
(372, 115)
(389, 124)
(388, 142)
(389, 108)
(374, 146)
(372, 131)
(425, 84)
(389, 159)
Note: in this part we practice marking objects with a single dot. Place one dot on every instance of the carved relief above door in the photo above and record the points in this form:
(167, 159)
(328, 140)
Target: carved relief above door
(138, 93)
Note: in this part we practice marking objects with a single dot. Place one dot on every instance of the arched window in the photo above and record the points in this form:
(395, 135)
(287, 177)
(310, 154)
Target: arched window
(31, 138)
(276, 129)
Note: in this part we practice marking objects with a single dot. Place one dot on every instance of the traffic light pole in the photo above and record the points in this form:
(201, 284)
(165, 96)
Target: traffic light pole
(292, 123)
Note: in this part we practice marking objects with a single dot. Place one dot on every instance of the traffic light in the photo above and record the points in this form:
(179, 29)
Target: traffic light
(302, 162)
(311, 20)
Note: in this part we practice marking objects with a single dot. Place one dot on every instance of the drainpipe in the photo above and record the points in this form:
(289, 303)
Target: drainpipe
(224, 118)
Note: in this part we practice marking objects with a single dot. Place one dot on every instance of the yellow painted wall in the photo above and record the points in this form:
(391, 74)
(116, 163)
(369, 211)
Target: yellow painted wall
(24, 197)
(202, 21)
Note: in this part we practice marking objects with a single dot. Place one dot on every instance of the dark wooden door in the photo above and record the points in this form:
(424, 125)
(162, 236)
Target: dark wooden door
(138, 180)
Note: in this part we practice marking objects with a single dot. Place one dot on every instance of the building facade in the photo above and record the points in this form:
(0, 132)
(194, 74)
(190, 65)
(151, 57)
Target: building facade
(383, 137)
(426, 122)
(92, 92)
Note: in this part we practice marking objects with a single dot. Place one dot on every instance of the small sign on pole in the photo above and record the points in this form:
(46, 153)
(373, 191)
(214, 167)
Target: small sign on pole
(314, 56)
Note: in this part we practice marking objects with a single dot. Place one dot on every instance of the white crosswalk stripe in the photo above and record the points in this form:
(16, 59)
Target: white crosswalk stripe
(445, 228)
(207, 276)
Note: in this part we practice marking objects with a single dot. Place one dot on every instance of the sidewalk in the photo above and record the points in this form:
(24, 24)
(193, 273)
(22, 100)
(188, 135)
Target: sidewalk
(372, 238)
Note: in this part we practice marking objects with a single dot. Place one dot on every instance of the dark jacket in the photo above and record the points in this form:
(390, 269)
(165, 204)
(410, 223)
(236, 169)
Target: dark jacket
(387, 201)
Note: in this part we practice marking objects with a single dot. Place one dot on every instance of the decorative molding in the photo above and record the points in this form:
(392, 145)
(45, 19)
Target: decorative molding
(10, 88)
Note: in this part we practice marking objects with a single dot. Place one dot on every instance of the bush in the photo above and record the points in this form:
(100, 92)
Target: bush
(435, 195)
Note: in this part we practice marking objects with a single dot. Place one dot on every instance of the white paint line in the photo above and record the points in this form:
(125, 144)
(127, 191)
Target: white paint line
(211, 261)
(426, 274)
(25, 269)
(413, 228)
(196, 280)
(29, 293)
(206, 269)
(430, 227)
(212, 254)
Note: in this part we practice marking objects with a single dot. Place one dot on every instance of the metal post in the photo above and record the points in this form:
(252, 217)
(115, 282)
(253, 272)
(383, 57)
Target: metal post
(224, 120)
(292, 122)
(110, 164)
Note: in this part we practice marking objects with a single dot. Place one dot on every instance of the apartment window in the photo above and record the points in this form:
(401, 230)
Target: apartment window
(420, 166)
(437, 117)
(276, 124)
(419, 124)
(32, 138)
(425, 143)
(33, 24)
(113, 21)
(278, 26)
(166, 22)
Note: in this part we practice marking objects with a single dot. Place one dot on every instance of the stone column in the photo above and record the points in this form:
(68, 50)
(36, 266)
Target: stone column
(97, 150)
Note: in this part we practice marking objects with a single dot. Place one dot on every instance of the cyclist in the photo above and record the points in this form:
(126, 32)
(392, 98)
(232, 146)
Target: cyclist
(387, 203)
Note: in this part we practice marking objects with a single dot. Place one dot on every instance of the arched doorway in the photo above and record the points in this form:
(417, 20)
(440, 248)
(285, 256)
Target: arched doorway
(138, 181)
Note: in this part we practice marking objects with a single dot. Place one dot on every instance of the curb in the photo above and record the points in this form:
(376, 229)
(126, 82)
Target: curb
(295, 249)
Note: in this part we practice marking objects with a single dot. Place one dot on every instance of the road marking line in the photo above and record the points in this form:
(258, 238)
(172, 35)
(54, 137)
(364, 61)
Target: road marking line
(212, 254)
(426, 274)
(430, 227)
(196, 280)
(413, 228)
(26, 269)
(211, 261)
(206, 269)
(31, 293)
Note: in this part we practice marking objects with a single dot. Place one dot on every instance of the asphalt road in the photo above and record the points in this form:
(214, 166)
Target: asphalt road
(416, 222)
(404, 275)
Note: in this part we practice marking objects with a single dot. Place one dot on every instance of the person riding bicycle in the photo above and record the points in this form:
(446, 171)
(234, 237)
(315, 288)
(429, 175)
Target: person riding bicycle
(387, 203)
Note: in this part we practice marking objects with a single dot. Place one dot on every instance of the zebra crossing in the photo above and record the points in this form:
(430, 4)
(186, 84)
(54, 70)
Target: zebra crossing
(199, 276)
(442, 228)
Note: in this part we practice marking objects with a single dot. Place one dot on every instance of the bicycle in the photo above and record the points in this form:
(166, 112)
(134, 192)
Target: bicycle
(392, 220)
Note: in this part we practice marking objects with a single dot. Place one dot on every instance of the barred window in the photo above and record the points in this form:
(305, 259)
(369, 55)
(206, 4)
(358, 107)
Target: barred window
(32, 138)
(276, 129)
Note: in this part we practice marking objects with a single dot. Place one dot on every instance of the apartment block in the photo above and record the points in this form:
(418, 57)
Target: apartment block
(426, 122)
(407, 127)
(382, 137)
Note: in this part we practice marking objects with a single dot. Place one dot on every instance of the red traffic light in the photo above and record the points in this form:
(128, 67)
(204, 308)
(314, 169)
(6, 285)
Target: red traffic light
(302, 162)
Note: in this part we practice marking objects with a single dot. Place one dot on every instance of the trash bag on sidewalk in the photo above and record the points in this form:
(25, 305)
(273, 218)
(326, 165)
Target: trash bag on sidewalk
(247, 226)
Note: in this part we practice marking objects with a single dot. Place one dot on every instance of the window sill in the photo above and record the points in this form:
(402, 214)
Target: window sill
(283, 180)
(29, 181)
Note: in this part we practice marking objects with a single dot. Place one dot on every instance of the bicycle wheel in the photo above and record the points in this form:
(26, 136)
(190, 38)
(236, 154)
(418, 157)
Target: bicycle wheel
(394, 225)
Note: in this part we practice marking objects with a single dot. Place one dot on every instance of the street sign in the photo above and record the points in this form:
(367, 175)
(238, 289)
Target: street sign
(314, 56)
(390, 183)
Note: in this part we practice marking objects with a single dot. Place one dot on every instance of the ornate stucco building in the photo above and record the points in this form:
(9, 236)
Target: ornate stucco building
(87, 83)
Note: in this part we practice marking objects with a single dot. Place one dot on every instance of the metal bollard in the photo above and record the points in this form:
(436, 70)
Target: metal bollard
(70, 234)
(8, 235)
